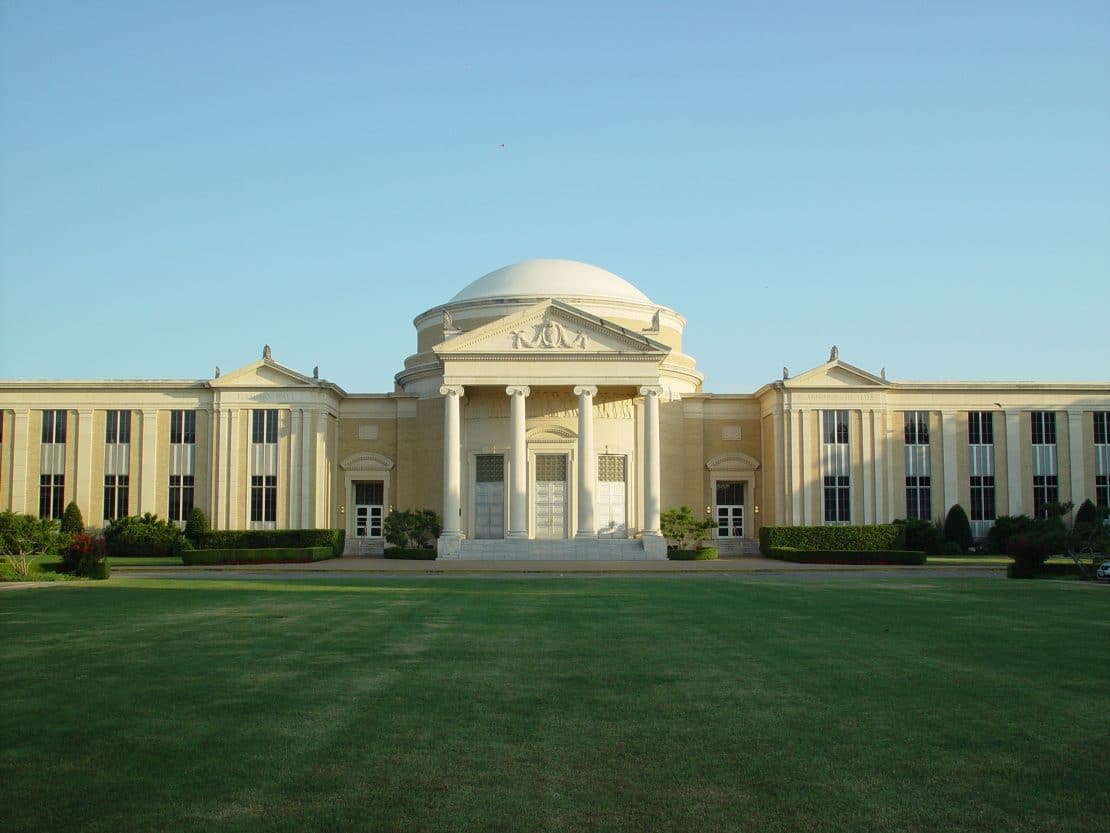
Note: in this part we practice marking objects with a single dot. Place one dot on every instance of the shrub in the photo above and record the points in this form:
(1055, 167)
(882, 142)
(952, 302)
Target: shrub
(72, 522)
(847, 556)
(875, 537)
(957, 527)
(1087, 513)
(406, 554)
(84, 555)
(272, 555)
(143, 535)
(703, 554)
(412, 528)
(257, 539)
(683, 530)
(24, 539)
(921, 535)
(1006, 527)
(197, 525)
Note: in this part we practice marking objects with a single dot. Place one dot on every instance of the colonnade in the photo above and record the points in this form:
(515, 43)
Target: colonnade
(518, 463)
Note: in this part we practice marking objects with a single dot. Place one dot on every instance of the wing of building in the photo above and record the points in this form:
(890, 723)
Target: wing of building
(550, 411)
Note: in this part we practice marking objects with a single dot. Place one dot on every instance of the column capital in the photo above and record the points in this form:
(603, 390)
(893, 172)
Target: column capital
(588, 390)
(518, 390)
(651, 390)
(451, 390)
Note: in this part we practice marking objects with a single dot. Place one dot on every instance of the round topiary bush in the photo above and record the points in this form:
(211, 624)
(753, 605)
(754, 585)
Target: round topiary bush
(957, 527)
(72, 522)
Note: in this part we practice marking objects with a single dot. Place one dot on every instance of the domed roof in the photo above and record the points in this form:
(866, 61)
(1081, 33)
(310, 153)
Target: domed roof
(551, 278)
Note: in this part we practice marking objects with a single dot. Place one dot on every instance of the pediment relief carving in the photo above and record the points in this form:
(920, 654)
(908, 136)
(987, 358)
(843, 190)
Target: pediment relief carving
(366, 461)
(732, 461)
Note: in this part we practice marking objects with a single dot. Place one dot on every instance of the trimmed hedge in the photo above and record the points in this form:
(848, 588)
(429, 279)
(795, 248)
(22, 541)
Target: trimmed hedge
(272, 555)
(263, 539)
(832, 538)
(847, 556)
(410, 553)
(704, 554)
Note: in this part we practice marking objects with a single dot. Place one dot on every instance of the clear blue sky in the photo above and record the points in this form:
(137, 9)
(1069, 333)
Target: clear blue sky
(926, 185)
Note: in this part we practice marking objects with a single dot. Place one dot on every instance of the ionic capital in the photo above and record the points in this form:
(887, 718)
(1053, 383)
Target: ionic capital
(588, 390)
(451, 390)
(651, 390)
(518, 390)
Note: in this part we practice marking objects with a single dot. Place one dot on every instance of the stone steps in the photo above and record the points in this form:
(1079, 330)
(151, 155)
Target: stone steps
(560, 550)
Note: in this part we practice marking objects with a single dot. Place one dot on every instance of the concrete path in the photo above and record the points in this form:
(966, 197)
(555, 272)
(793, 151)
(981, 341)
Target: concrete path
(349, 568)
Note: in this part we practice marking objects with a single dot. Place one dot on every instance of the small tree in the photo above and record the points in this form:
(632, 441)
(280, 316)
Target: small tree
(957, 527)
(24, 539)
(1089, 535)
(72, 522)
(1088, 513)
(412, 528)
(196, 526)
(681, 527)
(922, 535)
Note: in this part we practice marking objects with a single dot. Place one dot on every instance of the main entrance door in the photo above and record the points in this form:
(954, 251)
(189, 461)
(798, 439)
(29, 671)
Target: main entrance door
(368, 508)
(730, 509)
(551, 496)
(611, 496)
(489, 496)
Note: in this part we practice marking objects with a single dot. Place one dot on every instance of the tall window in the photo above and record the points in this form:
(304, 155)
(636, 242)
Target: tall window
(183, 439)
(980, 443)
(980, 428)
(53, 426)
(1045, 486)
(918, 465)
(1102, 458)
(117, 427)
(116, 496)
(181, 497)
(52, 465)
(836, 467)
(264, 426)
(183, 427)
(263, 498)
(264, 463)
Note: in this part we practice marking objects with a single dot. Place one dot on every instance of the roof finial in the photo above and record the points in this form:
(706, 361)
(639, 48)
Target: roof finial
(834, 354)
(882, 374)
(266, 353)
(217, 371)
(785, 372)
(316, 372)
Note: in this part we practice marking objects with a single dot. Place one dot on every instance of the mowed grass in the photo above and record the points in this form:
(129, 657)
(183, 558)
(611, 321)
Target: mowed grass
(914, 704)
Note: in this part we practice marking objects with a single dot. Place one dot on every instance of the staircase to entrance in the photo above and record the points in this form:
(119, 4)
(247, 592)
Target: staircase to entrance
(570, 549)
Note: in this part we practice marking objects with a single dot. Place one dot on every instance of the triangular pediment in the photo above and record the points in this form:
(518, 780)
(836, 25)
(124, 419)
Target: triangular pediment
(550, 328)
(835, 374)
(264, 373)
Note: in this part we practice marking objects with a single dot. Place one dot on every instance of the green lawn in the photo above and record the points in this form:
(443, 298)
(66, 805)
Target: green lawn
(916, 704)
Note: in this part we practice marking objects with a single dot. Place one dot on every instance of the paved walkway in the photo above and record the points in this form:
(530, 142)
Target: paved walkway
(381, 567)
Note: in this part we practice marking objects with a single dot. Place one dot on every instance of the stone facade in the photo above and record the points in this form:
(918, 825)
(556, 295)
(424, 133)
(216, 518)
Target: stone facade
(551, 400)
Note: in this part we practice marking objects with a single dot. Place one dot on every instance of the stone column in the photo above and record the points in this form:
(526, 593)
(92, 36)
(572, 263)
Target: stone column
(587, 463)
(948, 449)
(867, 458)
(518, 462)
(83, 468)
(1014, 481)
(308, 451)
(149, 463)
(17, 499)
(653, 539)
(1075, 455)
(451, 538)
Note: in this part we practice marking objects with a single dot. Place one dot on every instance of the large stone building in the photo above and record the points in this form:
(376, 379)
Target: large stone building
(549, 410)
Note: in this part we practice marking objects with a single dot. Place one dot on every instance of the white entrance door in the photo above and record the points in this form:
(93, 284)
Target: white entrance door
(368, 508)
(489, 497)
(611, 496)
(730, 510)
(551, 496)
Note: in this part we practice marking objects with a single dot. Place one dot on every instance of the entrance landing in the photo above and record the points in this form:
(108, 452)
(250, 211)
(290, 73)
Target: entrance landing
(558, 550)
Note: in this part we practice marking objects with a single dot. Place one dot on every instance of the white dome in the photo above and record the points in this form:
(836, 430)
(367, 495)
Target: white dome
(551, 278)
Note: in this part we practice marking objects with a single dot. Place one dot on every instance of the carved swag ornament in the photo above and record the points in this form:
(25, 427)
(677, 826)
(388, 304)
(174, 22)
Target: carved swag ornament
(549, 334)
